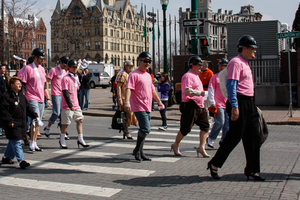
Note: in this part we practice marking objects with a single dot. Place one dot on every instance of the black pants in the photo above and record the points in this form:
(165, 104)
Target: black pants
(163, 113)
(245, 128)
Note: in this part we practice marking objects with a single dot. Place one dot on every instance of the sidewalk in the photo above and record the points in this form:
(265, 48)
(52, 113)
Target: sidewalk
(278, 115)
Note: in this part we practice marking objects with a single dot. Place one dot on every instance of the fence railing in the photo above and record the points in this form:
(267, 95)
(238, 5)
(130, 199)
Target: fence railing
(265, 72)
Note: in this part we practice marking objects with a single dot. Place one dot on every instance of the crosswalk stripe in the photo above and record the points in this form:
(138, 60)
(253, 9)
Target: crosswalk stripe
(112, 155)
(93, 169)
(166, 140)
(59, 187)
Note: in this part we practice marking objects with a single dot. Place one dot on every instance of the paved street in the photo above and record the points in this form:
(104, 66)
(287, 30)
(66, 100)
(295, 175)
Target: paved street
(107, 170)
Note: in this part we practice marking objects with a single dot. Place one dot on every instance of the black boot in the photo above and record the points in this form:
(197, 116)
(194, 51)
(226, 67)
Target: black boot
(143, 156)
(136, 151)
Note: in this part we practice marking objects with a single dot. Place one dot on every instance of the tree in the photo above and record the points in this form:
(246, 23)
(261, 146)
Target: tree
(296, 27)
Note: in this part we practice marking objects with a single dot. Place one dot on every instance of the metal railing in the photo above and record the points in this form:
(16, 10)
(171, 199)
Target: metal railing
(265, 72)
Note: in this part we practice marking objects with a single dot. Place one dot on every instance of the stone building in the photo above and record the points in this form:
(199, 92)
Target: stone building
(22, 35)
(214, 25)
(108, 31)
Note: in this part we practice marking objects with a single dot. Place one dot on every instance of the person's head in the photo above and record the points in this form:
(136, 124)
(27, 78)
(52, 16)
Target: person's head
(38, 56)
(30, 60)
(247, 47)
(128, 66)
(2, 69)
(195, 64)
(86, 71)
(205, 65)
(15, 84)
(164, 77)
(144, 61)
(222, 64)
(79, 72)
(72, 64)
(63, 62)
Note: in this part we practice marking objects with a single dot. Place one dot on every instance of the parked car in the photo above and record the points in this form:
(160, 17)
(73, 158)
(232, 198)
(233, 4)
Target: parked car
(99, 79)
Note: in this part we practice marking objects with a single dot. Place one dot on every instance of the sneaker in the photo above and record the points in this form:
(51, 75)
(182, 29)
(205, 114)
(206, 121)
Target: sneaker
(163, 128)
(47, 132)
(209, 143)
(7, 161)
(24, 164)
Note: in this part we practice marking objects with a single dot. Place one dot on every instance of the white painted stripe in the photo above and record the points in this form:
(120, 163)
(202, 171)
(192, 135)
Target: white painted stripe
(167, 140)
(59, 187)
(174, 129)
(127, 145)
(112, 155)
(92, 169)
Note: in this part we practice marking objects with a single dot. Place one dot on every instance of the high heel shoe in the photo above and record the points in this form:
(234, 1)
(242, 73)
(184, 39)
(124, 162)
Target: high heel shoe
(255, 176)
(176, 151)
(213, 172)
(83, 145)
(61, 146)
(129, 137)
(204, 154)
(137, 155)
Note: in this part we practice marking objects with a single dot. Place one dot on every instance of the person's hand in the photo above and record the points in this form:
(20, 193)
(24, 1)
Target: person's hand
(12, 124)
(127, 106)
(234, 114)
(48, 103)
(213, 106)
(72, 109)
(202, 93)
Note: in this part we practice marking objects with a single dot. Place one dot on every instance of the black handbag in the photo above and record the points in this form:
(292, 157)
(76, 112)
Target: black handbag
(263, 128)
(172, 99)
(119, 120)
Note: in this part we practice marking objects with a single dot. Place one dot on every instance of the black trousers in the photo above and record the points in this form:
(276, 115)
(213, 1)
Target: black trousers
(245, 128)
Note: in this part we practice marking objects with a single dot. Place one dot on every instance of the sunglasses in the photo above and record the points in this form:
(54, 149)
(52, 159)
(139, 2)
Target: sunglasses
(130, 65)
(147, 61)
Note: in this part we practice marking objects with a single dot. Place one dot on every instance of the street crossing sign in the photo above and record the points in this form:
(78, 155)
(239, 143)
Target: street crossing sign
(294, 34)
(192, 23)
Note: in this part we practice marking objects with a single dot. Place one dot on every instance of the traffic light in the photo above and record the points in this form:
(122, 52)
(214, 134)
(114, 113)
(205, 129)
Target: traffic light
(205, 43)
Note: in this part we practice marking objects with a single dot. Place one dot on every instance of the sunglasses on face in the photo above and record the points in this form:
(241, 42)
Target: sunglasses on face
(146, 61)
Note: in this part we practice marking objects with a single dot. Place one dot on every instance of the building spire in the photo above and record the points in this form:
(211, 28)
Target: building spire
(100, 4)
(58, 6)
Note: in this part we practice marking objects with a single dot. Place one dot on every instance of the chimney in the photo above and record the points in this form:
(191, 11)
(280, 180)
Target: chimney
(29, 16)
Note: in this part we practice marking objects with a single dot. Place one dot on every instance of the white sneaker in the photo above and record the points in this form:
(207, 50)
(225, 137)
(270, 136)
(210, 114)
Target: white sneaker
(163, 128)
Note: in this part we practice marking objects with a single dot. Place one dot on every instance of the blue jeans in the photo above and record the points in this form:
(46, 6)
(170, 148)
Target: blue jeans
(221, 122)
(14, 149)
(56, 107)
(84, 93)
(163, 113)
(37, 107)
(143, 118)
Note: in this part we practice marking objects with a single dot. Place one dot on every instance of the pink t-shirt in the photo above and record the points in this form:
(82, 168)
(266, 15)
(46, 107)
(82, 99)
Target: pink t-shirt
(220, 100)
(239, 69)
(34, 89)
(141, 86)
(192, 80)
(56, 74)
(68, 83)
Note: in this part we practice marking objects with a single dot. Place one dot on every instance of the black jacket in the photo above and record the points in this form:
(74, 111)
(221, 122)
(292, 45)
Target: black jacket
(3, 84)
(85, 81)
(13, 109)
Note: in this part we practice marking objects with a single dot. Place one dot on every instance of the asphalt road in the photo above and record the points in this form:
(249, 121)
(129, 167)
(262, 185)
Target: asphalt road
(107, 170)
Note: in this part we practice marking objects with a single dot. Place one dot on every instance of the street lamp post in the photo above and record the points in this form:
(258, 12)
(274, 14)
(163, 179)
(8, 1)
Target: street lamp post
(164, 4)
(153, 20)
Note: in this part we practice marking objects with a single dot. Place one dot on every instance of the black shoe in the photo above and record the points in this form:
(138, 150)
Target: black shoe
(83, 145)
(61, 146)
(128, 136)
(7, 161)
(213, 172)
(255, 176)
(24, 164)
(137, 155)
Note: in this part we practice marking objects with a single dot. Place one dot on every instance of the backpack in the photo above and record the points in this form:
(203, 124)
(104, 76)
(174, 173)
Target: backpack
(119, 120)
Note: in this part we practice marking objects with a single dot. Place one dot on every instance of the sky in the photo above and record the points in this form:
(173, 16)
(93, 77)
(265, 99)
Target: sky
(281, 10)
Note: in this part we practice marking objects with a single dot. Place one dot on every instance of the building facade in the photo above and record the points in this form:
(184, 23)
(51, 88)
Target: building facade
(214, 25)
(108, 31)
(22, 35)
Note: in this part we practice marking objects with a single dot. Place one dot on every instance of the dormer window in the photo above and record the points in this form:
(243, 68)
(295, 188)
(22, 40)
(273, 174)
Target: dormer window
(76, 11)
(128, 15)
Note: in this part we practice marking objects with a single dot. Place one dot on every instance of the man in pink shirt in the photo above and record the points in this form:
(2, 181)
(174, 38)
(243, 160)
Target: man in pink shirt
(34, 78)
(243, 115)
(138, 99)
(192, 107)
(55, 75)
(70, 105)
(218, 102)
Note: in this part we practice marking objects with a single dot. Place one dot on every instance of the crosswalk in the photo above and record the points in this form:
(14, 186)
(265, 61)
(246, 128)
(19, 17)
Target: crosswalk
(158, 141)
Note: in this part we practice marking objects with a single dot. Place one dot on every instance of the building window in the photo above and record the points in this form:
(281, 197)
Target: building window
(111, 46)
(105, 33)
(56, 34)
(66, 46)
(204, 14)
(97, 45)
(97, 31)
(112, 33)
(133, 48)
(76, 11)
(106, 45)
(201, 15)
(87, 46)
(201, 29)
(118, 34)
(87, 32)
(56, 46)
(128, 48)
(124, 47)
(128, 15)
(97, 20)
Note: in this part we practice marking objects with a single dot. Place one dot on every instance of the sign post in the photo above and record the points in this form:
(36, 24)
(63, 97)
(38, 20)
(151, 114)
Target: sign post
(289, 35)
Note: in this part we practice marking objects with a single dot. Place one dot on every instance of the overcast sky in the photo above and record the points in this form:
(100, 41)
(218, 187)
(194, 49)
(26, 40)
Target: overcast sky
(281, 10)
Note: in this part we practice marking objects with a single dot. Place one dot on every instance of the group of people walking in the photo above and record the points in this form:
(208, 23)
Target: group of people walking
(236, 115)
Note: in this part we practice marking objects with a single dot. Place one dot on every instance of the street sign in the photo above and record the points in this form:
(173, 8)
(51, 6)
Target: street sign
(294, 34)
(192, 23)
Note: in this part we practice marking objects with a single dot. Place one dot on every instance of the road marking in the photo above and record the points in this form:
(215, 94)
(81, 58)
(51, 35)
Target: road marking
(59, 187)
(92, 169)
(112, 155)
(166, 140)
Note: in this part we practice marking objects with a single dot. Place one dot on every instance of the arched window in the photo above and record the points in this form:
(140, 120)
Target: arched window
(76, 11)
(128, 15)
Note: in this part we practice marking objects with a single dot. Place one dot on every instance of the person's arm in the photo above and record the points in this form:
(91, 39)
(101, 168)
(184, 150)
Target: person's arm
(211, 96)
(47, 94)
(68, 99)
(119, 93)
(190, 91)
(127, 99)
(232, 86)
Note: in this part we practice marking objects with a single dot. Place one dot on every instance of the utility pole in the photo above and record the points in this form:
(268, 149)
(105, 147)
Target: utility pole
(153, 20)
(194, 32)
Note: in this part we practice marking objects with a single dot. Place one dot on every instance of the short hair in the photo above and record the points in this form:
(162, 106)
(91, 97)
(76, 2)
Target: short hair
(126, 62)
(13, 80)
(205, 62)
